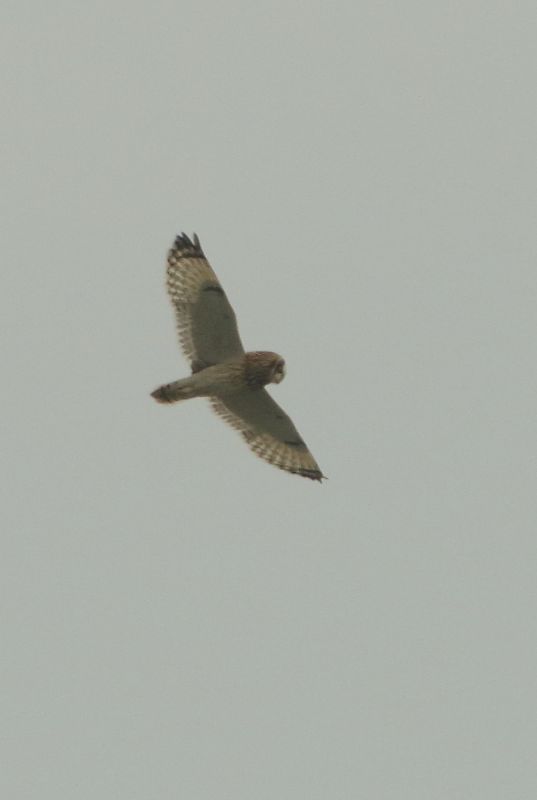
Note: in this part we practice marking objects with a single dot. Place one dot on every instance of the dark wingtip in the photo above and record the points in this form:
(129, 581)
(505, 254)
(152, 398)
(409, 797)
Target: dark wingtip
(318, 476)
(312, 474)
(184, 246)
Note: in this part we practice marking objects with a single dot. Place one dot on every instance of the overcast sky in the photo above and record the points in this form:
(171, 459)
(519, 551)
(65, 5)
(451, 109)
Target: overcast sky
(182, 620)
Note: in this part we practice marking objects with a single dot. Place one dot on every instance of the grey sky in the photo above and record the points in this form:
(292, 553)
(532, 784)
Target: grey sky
(182, 620)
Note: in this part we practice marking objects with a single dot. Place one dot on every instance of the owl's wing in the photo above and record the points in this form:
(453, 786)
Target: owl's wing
(205, 320)
(268, 431)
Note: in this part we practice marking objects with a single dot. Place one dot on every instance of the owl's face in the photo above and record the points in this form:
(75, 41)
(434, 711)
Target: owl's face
(278, 372)
(263, 367)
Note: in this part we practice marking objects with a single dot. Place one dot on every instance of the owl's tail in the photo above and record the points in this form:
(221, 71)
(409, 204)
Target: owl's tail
(173, 392)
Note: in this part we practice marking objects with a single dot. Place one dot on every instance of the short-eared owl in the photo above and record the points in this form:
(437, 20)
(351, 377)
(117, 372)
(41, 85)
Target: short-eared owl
(232, 379)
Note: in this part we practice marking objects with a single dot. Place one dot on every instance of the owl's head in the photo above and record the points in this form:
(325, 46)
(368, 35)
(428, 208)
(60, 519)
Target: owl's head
(264, 367)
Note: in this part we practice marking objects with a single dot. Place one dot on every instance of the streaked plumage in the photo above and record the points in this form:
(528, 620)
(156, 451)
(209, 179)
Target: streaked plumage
(221, 370)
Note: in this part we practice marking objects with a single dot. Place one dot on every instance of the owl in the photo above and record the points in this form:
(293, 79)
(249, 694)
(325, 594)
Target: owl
(232, 379)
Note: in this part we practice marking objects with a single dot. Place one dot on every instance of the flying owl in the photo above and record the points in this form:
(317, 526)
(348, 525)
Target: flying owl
(233, 380)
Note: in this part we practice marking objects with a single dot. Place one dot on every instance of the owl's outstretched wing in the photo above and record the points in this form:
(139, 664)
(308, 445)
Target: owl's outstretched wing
(206, 322)
(268, 431)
